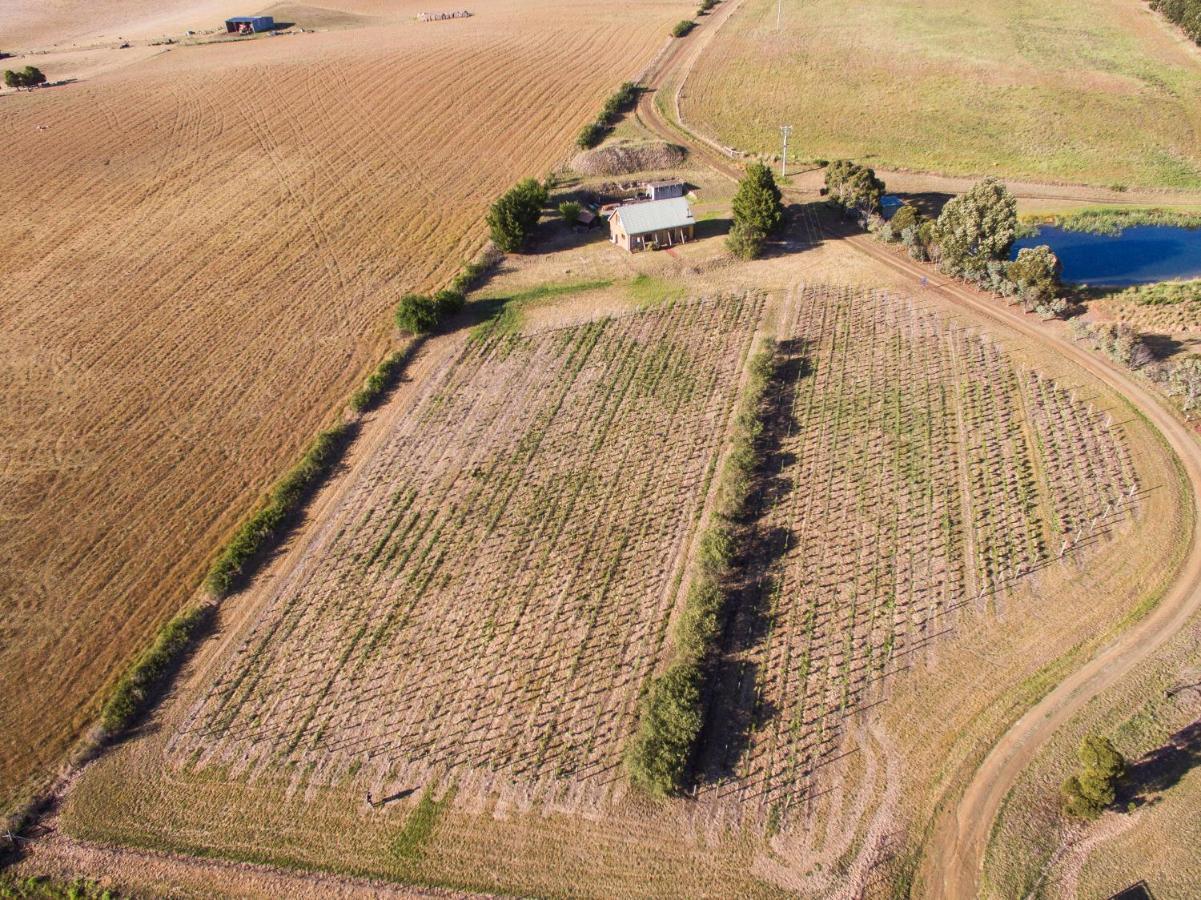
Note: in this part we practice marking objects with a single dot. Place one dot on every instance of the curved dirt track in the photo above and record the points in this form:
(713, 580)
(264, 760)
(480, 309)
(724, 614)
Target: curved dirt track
(954, 856)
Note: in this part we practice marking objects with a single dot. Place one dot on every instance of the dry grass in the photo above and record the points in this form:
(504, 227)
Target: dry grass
(1091, 91)
(209, 243)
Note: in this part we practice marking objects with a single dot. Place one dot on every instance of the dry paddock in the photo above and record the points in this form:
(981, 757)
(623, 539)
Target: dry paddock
(199, 255)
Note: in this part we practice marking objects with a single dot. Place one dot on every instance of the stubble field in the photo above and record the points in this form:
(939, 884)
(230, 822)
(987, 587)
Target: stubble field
(1090, 91)
(201, 253)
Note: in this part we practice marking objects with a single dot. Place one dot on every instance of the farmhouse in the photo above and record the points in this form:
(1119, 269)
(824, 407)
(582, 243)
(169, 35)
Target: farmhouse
(657, 223)
(249, 24)
(665, 190)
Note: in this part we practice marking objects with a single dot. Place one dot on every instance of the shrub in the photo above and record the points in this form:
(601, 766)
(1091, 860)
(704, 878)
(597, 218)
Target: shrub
(378, 383)
(265, 525)
(28, 77)
(570, 211)
(1094, 788)
(514, 215)
(976, 227)
(669, 722)
(1184, 381)
(745, 241)
(148, 676)
(591, 135)
(705, 6)
(1035, 276)
(1117, 340)
(448, 301)
(416, 314)
(682, 28)
(853, 187)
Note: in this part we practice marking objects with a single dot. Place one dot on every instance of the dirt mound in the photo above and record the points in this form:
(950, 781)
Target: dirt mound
(625, 157)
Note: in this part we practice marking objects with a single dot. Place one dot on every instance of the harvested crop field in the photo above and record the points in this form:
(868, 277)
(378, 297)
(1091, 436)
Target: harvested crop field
(205, 249)
(1019, 90)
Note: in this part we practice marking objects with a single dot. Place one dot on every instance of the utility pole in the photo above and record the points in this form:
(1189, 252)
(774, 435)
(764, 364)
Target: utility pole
(779, 12)
(785, 130)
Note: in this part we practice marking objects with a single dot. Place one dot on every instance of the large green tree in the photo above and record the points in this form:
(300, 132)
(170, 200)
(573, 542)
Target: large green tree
(758, 212)
(1035, 274)
(976, 227)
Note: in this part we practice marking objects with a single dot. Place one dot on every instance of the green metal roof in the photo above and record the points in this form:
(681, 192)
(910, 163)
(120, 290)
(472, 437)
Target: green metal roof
(655, 215)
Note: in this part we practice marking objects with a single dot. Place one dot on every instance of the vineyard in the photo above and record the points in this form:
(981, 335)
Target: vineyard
(199, 282)
(494, 590)
(914, 476)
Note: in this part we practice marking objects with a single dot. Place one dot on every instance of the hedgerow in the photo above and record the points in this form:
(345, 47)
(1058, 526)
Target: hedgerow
(616, 104)
(1185, 13)
(265, 526)
(671, 711)
(149, 674)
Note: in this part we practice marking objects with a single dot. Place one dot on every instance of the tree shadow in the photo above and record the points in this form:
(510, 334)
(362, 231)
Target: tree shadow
(1162, 346)
(733, 708)
(1164, 767)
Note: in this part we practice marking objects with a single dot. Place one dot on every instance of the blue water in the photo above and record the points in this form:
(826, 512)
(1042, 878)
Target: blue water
(1141, 255)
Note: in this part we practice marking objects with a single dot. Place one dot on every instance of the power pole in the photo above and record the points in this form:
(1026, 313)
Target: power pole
(785, 130)
(779, 12)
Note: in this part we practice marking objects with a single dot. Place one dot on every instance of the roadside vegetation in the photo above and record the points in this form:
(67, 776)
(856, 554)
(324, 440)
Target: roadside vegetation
(618, 103)
(682, 28)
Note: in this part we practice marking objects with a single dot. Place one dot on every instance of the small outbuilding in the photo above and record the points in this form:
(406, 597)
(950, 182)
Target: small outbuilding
(665, 190)
(656, 223)
(249, 24)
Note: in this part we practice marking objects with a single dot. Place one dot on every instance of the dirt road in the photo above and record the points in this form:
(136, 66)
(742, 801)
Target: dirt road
(954, 856)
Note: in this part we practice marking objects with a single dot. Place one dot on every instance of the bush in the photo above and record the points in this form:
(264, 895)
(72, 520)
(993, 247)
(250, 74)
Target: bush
(514, 215)
(570, 211)
(148, 676)
(591, 135)
(1117, 340)
(1035, 276)
(745, 241)
(705, 6)
(27, 77)
(378, 383)
(416, 314)
(1184, 13)
(905, 217)
(668, 724)
(682, 28)
(267, 523)
(1184, 381)
(853, 187)
(448, 302)
(1094, 788)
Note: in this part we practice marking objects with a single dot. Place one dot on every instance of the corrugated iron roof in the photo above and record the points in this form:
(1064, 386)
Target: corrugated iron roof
(656, 215)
